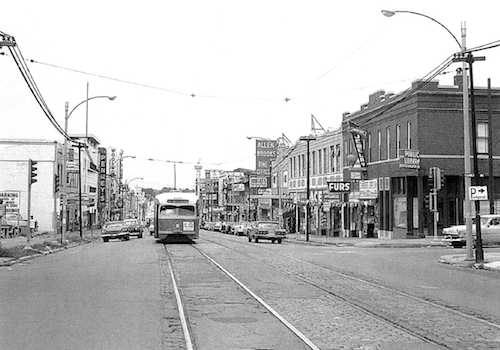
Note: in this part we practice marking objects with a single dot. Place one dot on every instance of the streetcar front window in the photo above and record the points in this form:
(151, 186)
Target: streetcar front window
(167, 211)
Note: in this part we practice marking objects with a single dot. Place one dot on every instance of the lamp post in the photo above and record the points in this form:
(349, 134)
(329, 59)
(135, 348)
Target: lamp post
(467, 132)
(64, 170)
(308, 139)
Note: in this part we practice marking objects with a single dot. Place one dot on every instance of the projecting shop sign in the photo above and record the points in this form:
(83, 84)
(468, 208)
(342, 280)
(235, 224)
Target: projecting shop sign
(339, 186)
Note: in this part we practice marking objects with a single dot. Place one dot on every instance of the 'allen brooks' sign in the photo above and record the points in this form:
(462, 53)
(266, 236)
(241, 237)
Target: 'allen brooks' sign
(265, 153)
(339, 186)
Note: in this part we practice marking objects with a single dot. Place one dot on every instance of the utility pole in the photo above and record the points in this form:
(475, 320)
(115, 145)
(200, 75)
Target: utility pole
(308, 139)
(64, 215)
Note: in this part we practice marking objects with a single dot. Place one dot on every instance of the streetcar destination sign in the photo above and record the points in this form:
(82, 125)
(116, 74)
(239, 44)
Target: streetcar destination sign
(339, 186)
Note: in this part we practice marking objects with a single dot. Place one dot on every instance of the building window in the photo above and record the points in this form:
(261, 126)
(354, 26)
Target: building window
(313, 162)
(303, 167)
(325, 161)
(408, 135)
(337, 157)
(388, 142)
(398, 139)
(369, 151)
(482, 137)
(320, 161)
(379, 145)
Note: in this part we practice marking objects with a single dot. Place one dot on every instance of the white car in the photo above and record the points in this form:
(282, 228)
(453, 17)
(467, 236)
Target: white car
(490, 232)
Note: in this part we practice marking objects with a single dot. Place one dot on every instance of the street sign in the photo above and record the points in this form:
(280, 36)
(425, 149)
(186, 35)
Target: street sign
(478, 193)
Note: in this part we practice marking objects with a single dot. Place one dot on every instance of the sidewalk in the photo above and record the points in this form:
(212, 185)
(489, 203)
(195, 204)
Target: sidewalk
(52, 245)
(491, 260)
(41, 237)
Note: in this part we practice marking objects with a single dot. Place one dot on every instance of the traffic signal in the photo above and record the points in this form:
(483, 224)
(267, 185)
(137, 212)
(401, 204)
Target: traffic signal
(57, 182)
(430, 179)
(32, 171)
(426, 202)
(441, 179)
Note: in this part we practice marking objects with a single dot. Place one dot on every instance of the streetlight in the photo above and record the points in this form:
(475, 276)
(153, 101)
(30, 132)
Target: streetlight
(467, 137)
(308, 139)
(64, 171)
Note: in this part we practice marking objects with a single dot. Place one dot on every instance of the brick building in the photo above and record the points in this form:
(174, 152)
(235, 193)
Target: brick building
(427, 126)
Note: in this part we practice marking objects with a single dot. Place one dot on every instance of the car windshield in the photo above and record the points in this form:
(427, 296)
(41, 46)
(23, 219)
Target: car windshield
(132, 221)
(269, 225)
(113, 224)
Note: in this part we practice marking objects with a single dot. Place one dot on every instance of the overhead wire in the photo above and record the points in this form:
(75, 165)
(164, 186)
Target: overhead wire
(28, 78)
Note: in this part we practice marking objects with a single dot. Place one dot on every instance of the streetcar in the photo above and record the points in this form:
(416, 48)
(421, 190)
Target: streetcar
(176, 216)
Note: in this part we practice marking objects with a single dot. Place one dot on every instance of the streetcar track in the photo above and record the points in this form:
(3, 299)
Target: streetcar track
(370, 282)
(357, 307)
(183, 317)
(374, 313)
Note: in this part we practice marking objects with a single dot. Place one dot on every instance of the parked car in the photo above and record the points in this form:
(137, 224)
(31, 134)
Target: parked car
(228, 227)
(134, 227)
(269, 230)
(115, 230)
(208, 226)
(217, 226)
(490, 232)
(151, 229)
(240, 229)
(17, 222)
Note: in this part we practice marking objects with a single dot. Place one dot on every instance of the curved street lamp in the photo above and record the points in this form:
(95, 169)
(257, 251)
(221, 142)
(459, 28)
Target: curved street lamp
(64, 170)
(467, 132)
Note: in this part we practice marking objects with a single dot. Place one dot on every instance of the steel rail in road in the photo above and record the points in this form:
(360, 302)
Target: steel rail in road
(180, 306)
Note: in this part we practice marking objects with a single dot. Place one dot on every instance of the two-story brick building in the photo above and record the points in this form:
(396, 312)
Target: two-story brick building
(396, 139)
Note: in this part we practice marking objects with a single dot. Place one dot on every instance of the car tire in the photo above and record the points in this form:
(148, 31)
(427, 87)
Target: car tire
(256, 240)
(273, 240)
(105, 240)
(279, 241)
(140, 236)
(249, 239)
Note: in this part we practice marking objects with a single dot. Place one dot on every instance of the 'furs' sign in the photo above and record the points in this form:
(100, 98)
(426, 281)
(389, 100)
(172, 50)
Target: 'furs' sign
(339, 186)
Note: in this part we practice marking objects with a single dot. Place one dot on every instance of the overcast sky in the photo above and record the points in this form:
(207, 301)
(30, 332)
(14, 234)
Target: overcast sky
(240, 60)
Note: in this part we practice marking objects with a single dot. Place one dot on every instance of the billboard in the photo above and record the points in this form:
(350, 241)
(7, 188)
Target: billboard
(265, 153)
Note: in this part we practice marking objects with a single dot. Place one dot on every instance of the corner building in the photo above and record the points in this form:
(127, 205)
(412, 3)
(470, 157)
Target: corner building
(396, 139)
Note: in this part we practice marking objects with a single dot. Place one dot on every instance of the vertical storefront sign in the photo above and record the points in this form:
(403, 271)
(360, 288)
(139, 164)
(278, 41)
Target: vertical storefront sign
(102, 177)
(265, 153)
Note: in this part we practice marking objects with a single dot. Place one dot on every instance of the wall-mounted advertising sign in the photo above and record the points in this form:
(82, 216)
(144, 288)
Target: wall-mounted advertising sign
(265, 153)
(259, 182)
(10, 199)
(368, 189)
(409, 158)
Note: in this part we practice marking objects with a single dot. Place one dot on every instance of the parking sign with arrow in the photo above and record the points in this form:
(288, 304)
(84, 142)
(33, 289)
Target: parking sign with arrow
(478, 193)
